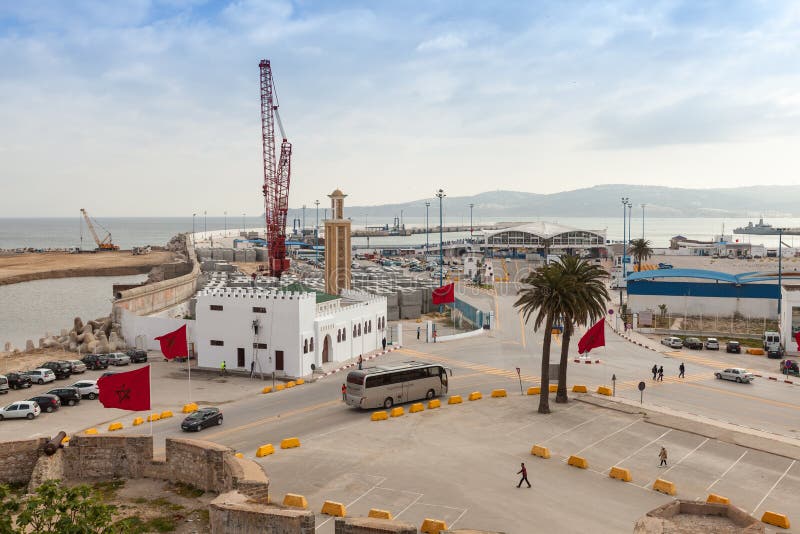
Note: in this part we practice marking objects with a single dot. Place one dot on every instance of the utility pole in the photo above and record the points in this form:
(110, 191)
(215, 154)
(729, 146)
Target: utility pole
(780, 271)
(427, 246)
(624, 244)
(470, 219)
(440, 194)
(316, 236)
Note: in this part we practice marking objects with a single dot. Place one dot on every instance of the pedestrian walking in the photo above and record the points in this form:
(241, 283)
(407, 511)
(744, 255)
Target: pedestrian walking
(663, 456)
(383, 343)
(524, 473)
(252, 368)
(434, 336)
(661, 374)
(682, 369)
(344, 391)
(655, 371)
(360, 361)
(418, 331)
(222, 369)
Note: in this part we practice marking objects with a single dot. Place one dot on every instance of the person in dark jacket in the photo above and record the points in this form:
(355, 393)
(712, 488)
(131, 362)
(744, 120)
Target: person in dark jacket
(654, 371)
(524, 473)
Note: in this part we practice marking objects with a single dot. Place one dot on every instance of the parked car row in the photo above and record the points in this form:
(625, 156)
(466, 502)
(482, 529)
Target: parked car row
(51, 401)
(695, 343)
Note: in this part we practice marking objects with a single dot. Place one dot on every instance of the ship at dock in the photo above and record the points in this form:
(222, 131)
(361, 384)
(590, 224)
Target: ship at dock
(762, 228)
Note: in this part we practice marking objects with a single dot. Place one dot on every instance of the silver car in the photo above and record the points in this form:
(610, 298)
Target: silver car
(87, 388)
(712, 343)
(118, 358)
(737, 374)
(77, 366)
(672, 342)
(41, 376)
(20, 410)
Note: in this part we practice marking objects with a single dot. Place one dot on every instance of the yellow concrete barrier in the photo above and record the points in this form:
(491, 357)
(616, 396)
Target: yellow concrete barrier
(296, 501)
(291, 384)
(713, 497)
(497, 393)
(65, 440)
(379, 416)
(280, 387)
(189, 408)
(265, 450)
(138, 421)
(434, 403)
(114, 426)
(620, 473)
(578, 461)
(267, 389)
(432, 526)
(397, 411)
(90, 431)
(239, 455)
(300, 381)
(333, 508)
(579, 389)
(455, 399)
(534, 390)
(755, 352)
(416, 407)
(290, 443)
(778, 520)
(553, 388)
(153, 417)
(380, 514)
(166, 414)
(664, 486)
(604, 390)
(541, 452)
(475, 395)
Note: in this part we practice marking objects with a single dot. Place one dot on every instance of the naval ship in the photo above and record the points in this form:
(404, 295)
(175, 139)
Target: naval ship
(762, 228)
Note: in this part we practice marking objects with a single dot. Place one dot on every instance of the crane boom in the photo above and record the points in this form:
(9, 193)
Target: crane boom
(102, 244)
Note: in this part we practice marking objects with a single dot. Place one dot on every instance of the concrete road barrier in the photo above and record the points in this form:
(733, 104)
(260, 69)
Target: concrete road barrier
(280, 387)
(475, 395)
(497, 393)
(153, 417)
(290, 443)
(239, 455)
(333, 508)
(291, 384)
(267, 389)
(755, 351)
(265, 450)
(189, 408)
(553, 388)
(397, 411)
(380, 514)
(578, 461)
(534, 390)
(664, 486)
(138, 421)
(90, 431)
(295, 500)
(541, 452)
(775, 519)
(579, 389)
(416, 407)
(719, 499)
(115, 426)
(434, 403)
(300, 381)
(166, 414)
(379, 416)
(604, 390)
(620, 473)
(455, 399)
(65, 440)
(432, 526)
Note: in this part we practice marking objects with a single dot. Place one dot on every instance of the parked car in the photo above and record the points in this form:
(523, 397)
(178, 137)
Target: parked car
(664, 266)
(733, 347)
(18, 380)
(61, 369)
(68, 395)
(40, 376)
(20, 409)
(48, 403)
(95, 361)
(693, 343)
(201, 419)
(775, 352)
(118, 358)
(87, 388)
(78, 366)
(137, 356)
(672, 341)
(3, 384)
(736, 374)
(712, 343)
(108, 373)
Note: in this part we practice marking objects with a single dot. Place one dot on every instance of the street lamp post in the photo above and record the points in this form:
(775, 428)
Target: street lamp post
(470, 219)
(427, 246)
(624, 240)
(440, 194)
(780, 271)
(316, 236)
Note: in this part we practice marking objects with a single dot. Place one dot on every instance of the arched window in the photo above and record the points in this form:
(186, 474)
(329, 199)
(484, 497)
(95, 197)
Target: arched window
(339, 336)
(359, 329)
(344, 334)
(305, 346)
(311, 344)
(354, 331)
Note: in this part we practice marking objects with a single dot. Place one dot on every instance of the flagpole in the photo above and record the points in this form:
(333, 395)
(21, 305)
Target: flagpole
(150, 385)
(189, 365)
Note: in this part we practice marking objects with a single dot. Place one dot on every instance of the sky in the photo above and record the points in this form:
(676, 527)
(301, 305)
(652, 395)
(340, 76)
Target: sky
(151, 107)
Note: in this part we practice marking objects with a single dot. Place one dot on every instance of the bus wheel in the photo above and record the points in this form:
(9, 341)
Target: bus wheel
(388, 403)
(431, 394)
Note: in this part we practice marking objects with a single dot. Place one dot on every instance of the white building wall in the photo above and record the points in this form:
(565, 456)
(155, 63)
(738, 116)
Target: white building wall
(790, 319)
(141, 331)
(367, 315)
(710, 306)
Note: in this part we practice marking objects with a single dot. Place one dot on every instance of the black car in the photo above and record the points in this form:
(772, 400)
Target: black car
(775, 353)
(201, 419)
(137, 356)
(693, 343)
(48, 403)
(18, 380)
(733, 347)
(68, 396)
(95, 361)
(60, 369)
(108, 373)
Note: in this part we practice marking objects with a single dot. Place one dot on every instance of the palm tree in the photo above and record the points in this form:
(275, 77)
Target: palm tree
(640, 250)
(549, 295)
(588, 306)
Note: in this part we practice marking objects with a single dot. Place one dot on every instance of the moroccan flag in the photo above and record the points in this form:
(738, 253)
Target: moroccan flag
(444, 294)
(593, 338)
(126, 391)
(173, 345)
(797, 339)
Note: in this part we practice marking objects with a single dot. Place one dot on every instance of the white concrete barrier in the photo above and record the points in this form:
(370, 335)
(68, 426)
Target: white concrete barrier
(463, 335)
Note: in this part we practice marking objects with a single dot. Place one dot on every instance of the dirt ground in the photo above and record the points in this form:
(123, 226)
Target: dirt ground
(22, 361)
(16, 268)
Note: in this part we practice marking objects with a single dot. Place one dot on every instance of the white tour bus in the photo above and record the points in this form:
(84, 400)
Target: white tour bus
(395, 383)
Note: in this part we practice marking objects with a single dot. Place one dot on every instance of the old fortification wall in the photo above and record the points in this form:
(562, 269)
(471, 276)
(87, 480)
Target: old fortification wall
(101, 457)
(18, 458)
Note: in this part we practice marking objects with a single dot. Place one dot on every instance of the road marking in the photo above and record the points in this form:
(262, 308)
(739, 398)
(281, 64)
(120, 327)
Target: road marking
(773, 487)
(679, 461)
(640, 449)
(746, 396)
(381, 481)
(459, 517)
(608, 436)
(410, 505)
(260, 422)
(726, 472)
(574, 404)
(571, 429)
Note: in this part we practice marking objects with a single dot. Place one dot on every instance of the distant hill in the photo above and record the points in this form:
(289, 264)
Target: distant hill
(604, 201)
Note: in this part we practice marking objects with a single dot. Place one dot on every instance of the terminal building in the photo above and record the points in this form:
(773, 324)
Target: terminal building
(540, 238)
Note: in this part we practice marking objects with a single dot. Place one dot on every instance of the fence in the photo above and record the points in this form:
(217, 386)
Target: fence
(469, 313)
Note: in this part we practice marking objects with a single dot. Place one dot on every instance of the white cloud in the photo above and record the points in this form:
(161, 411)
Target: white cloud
(442, 43)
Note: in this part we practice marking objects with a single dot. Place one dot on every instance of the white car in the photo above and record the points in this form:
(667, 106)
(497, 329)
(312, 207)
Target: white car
(41, 376)
(21, 409)
(87, 389)
(736, 374)
(118, 358)
(712, 343)
(673, 342)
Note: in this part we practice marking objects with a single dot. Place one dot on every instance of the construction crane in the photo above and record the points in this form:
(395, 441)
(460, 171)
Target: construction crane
(102, 244)
(276, 176)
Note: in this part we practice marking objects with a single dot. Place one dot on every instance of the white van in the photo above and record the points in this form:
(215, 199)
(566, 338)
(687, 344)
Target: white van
(771, 339)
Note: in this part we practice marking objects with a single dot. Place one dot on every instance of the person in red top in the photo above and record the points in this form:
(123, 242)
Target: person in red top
(524, 473)
(344, 391)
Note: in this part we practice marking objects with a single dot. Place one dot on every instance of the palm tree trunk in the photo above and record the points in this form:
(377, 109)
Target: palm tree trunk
(544, 394)
(561, 395)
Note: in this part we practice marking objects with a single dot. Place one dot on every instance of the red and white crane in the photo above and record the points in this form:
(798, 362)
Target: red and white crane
(276, 175)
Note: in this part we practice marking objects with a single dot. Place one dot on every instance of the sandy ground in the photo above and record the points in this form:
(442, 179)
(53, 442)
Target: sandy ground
(23, 361)
(725, 265)
(36, 266)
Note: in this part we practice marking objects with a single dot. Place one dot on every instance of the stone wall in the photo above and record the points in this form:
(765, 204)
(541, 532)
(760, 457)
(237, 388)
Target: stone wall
(102, 456)
(185, 455)
(368, 525)
(18, 458)
(232, 512)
